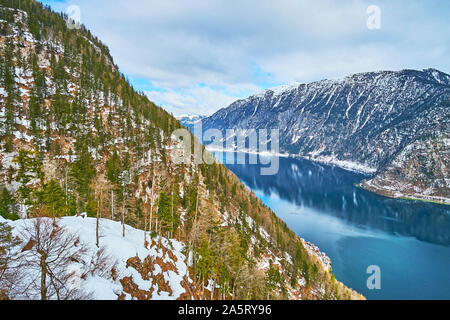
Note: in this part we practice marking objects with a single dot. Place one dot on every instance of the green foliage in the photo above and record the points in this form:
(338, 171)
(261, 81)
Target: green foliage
(8, 205)
(206, 261)
(233, 189)
(83, 171)
(51, 200)
(9, 248)
(273, 277)
(29, 168)
(165, 213)
(91, 208)
(113, 168)
(7, 243)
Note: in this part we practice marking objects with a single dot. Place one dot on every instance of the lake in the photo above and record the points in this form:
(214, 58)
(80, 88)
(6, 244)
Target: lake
(408, 240)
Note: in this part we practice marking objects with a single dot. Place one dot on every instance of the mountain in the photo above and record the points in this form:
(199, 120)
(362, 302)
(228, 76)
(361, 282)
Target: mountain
(189, 120)
(78, 140)
(395, 125)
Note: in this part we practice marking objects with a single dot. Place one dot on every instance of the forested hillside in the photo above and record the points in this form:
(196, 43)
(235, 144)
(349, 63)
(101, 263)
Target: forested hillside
(77, 138)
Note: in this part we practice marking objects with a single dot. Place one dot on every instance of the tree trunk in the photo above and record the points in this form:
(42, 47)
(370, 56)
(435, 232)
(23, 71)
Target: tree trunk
(151, 217)
(213, 287)
(196, 202)
(123, 222)
(66, 185)
(43, 265)
(194, 262)
(171, 232)
(112, 204)
(232, 292)
(151, 200)
(96, 227)
(145, 227)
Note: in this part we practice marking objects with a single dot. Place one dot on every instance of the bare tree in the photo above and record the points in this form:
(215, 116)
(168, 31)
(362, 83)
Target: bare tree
(55, 258)
(9, 262)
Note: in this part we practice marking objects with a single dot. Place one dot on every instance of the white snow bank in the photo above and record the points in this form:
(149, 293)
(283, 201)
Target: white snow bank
(120, 249)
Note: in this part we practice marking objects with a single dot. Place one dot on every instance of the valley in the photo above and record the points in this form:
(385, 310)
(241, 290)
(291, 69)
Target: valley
(87, 158)
(95, 203)
(393, 124)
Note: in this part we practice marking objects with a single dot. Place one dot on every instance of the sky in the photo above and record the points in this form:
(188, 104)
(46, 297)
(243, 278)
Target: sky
(197, 56)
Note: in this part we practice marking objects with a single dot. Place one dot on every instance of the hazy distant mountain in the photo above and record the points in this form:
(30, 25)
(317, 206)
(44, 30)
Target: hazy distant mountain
(374, 122)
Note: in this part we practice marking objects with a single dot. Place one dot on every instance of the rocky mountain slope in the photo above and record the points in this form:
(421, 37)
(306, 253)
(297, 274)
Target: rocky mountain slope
(419, 171)
(76, 137)
(371, 122)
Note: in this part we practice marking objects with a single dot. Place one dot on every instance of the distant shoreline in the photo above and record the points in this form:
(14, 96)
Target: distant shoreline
(346, 166)
(401, 197)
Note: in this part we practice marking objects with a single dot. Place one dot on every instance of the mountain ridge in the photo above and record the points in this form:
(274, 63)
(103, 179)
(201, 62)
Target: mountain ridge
(361, 121)
(436, 74)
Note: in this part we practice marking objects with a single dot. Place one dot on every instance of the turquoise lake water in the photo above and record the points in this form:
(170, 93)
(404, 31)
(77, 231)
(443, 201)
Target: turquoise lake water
(408, 240)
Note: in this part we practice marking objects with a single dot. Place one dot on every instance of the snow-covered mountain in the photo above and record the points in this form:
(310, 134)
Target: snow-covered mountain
(364, 121)
(189, 120)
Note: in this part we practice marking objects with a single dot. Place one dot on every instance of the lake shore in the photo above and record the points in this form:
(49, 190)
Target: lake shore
(350, 166)
(365, 185)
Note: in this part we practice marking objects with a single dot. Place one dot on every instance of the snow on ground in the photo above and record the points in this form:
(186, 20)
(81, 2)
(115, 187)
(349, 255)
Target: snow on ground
(121, 249)
(348, 165)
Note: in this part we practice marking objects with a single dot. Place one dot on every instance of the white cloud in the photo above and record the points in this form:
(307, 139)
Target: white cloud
(198, 100)
(205, 54)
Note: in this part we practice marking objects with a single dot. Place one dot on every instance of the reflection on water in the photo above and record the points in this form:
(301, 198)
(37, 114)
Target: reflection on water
(410, 241)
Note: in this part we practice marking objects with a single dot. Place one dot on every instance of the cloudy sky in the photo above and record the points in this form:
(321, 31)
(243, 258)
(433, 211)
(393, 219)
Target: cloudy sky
(197, 56)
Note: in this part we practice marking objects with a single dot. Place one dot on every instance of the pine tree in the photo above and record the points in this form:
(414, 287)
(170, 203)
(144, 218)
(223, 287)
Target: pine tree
(51, 200)
(83, 171)
(164, 211)
(8, 205)
(9, 246)
(29, 168)
(113, 168)
(12, 94)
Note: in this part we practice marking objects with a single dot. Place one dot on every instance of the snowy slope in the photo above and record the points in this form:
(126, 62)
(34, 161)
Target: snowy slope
(156, 269)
